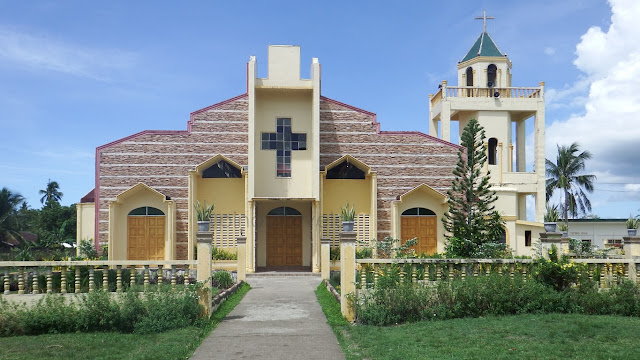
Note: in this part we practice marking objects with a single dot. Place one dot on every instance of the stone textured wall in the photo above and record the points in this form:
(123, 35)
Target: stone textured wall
(162, 160)
(402, 160)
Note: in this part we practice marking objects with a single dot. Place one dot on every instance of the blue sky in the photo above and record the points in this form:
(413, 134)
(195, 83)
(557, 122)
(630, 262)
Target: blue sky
(75, 75)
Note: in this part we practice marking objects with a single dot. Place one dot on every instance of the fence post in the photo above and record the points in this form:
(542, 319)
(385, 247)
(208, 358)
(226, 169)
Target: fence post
(347, 272)
(631, 246)
(547, 240)
(241, 243)
(325, 257)
(204, 270)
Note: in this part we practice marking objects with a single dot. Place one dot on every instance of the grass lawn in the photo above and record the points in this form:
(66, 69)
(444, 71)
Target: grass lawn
(173, 344)
(549, 336)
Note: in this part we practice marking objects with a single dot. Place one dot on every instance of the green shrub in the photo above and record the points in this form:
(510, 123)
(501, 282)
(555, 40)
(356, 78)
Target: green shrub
(100, 311)
(168, 310)
(221, 254)
(222, 279)
(392, 305)
(334, 253)
(559, 274)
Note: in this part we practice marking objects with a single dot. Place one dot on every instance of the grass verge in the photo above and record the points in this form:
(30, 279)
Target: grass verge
(538, 336)
(173, 344)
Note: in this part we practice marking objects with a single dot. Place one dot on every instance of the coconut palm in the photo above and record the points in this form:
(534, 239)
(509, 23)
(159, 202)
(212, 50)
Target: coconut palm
(51, 193)
(9, 226)
(565, 175)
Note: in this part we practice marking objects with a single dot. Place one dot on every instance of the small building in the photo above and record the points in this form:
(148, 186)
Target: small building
(602, 233)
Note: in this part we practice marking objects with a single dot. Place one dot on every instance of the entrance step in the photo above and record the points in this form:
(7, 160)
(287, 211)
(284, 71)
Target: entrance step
(283, 273)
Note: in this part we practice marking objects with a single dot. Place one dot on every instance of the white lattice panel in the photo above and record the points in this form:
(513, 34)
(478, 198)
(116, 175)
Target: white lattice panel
(226, 228)
(332, 225)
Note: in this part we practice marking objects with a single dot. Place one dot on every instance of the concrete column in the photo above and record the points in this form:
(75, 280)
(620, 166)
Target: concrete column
(564, 245)
(445, 120)
(547, 240)
(204, 239)
(520, 146)
(347, 272)
(522, 206)
(241, 243)
(316, 229)
(631, 246)
(325, 258)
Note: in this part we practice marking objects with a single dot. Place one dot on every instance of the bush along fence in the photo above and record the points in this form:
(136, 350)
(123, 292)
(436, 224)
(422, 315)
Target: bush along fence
(359, 275)
(74, 277)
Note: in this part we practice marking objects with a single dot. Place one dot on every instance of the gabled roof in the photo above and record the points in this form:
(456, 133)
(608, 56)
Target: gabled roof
(484, 46)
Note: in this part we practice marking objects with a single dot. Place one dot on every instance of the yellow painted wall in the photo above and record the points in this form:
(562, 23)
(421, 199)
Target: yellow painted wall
(85, 225)
(118, 224)
(297, 105)
(227, 195)
(336, 193)
(424, 199)
(261, 224)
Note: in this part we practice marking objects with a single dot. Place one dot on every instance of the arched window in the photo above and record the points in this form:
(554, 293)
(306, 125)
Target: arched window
(221, 169)
(284, 211)
(418, 211)
(345, 170)
(146, 211)
(493, 151)
(491, 75)
(469, 76)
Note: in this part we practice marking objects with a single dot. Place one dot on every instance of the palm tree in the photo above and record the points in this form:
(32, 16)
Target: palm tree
(51, 193)
(9, 227)
(565, 176)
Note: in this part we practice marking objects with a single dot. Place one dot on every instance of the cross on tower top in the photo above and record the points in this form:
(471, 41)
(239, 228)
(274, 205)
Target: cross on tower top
(484, 19)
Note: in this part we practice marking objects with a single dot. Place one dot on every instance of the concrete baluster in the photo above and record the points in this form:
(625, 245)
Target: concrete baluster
(34, 285)
(119, 278)
(7, 282)
(21, 281)
(50, 280)
(77, 284)
(92, 283)
(105, 278)
(160, 276)
(63, 280)
(146, 278)
(132, 275)
(173, 278)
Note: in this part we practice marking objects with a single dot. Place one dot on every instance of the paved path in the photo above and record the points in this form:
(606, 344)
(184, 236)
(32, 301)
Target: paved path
(279, 318)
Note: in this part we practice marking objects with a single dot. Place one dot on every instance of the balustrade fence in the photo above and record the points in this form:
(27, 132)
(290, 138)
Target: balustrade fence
(605, 272)
(34, 277)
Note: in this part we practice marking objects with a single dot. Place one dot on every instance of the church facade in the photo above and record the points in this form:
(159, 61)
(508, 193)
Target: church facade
(280, 161)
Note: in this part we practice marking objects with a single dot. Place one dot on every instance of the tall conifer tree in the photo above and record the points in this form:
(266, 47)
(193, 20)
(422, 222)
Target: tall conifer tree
(471, 221)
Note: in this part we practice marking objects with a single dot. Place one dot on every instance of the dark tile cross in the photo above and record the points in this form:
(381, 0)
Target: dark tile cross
(283, 141)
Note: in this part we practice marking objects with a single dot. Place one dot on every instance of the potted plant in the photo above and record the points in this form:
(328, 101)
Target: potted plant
(632, 226)
(203, 215)
(564, 228)
(348, 215)
(551, 218)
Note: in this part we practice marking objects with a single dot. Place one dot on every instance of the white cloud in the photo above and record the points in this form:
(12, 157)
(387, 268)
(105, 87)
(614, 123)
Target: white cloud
(42, 52)
(609, 127)
(549, 51)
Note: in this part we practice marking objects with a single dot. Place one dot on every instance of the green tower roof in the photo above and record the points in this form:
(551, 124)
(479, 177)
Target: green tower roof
(484, 46)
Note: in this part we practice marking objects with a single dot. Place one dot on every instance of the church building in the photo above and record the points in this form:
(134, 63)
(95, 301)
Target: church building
(280, 161)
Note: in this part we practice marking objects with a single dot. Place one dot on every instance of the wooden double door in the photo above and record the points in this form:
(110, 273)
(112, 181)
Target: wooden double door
(145, 237)
(284, 240)
(425, 228)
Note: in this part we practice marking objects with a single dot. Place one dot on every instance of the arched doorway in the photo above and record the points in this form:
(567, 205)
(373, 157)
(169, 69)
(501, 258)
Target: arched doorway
(284, 237)
(420, 223)
(145, 234)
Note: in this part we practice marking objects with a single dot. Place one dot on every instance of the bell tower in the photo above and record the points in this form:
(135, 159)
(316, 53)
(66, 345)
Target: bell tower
(508, 114)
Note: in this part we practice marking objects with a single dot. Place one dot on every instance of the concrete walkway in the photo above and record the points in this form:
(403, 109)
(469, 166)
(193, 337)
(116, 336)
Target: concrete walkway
(279, 318)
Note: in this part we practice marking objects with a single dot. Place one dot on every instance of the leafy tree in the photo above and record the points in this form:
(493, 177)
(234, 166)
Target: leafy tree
(51, 193)
(56, 224)
(9, 224)
(565, 175)
(471, 221)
